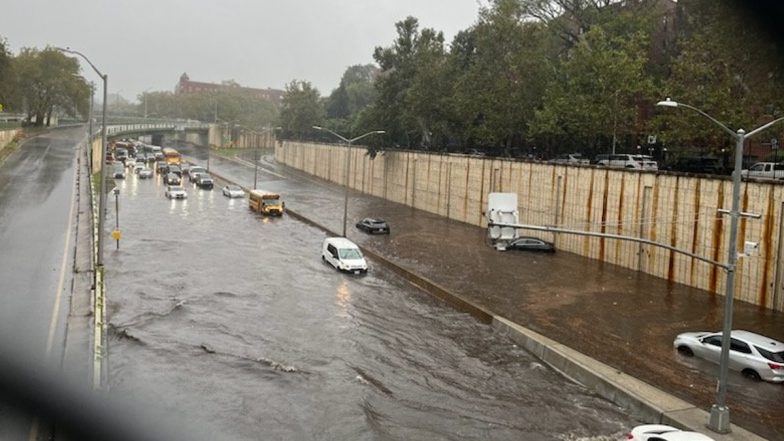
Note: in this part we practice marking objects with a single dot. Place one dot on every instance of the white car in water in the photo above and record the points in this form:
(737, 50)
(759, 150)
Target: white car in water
(660, 432)
(344, 255)
(233, 191)
(176, 192)
(753, 355)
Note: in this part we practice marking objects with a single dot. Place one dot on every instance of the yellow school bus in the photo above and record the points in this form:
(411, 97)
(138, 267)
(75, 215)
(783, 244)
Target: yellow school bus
(266, 202)
(172, 156)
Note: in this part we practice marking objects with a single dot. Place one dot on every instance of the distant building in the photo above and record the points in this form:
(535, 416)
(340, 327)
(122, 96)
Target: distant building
(185, 86)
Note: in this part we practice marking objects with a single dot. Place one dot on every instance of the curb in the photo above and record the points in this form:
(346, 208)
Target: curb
(641, 399)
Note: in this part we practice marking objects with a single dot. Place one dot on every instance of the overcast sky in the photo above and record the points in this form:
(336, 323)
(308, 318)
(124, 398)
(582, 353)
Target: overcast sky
(147, 44)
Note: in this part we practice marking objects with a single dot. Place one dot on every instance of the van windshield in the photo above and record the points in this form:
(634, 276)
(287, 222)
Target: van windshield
(349, 253)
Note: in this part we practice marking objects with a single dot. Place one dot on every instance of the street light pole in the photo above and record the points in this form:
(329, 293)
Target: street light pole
(348, 162)
(720, 414)
(101, 189)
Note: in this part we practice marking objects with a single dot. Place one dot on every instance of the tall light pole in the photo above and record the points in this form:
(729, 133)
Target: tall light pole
(348, 162)
(90, 129)
(256, 150)
(720, 413)
(101, 189)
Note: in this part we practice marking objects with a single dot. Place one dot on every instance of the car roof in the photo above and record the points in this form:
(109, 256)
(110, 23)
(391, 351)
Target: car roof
(374, 220)
(341, 242)
(759, 340)
(685, 436)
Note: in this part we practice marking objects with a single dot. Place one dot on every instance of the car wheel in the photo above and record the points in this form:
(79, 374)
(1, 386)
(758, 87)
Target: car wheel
(685, 350)
(751, 374)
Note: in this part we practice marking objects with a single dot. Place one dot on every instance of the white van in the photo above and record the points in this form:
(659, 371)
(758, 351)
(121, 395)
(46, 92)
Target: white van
(344, 255)
(765, 170)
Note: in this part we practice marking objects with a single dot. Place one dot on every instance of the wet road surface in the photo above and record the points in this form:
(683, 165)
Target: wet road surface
(36, 189)
(231, 322)
(618, 316)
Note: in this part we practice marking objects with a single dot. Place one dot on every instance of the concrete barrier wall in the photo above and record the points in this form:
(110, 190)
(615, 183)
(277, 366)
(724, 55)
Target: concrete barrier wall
(678, 210)
(220, 136)
(6, 136)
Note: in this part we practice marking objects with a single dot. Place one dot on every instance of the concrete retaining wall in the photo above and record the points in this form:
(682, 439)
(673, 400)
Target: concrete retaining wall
(6, 136)
(678, 210)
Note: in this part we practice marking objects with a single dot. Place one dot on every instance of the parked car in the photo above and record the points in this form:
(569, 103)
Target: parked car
(765, 170)
(175, 192)
(570, 158)
(204, 181)
(119, 171)
(172, 179)
(195, 169)
(531, 244)
(344, 255)
(145, 173)
(373, 225)
(661, 432)
(233, 191)
(637, 162)
(755, 356)
(697, 164)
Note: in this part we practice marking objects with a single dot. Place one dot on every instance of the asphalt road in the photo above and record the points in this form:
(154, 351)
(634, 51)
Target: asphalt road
(230, 324)
(36, 199)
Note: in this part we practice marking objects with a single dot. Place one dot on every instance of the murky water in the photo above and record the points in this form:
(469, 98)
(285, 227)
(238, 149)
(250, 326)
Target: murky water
(230, 322)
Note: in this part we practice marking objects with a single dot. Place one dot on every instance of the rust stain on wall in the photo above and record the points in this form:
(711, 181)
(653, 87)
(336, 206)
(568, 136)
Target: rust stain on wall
(695, 229)
(619, 218)
(718, 232)
(482, 192)
(674, 231)
(589, 202)
(767, 244)
(605, 196)
(465, 196)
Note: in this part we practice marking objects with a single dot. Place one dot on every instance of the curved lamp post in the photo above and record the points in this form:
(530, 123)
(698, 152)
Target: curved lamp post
(348, 161)
(256, 151)
(102, 196)
(720, 413)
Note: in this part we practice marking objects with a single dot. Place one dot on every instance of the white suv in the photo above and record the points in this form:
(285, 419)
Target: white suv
(344, 255)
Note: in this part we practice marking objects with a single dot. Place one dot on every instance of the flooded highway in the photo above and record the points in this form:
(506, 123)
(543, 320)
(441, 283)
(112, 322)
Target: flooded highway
(618, 316)
(230, 322)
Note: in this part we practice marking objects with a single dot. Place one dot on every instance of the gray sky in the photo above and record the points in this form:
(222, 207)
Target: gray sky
(147, 44)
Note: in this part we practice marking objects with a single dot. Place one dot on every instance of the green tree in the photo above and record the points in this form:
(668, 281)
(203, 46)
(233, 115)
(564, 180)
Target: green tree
(47, 80)
(301, 110)
(7, 77)
(726, 68)
(597, 92)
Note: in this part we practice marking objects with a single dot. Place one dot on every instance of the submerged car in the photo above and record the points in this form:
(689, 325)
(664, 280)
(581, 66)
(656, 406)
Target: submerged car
(204, 181)
(233, 191)
(373, 225)
(531, 244)
(344, 255)
(755, 356)
(176, 192)
(145, 173)
(661, 432)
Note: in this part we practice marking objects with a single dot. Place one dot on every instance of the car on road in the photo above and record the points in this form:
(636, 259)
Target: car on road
(172, 179)
(571, 159)
(344, 255)
(174, 168)
(755, 356)
(373, 225)
(139, 166)
(233, 191)
(119, 171)
(162, 168)
(194, 170)
(176, 192)
(661, 432)
(204, 181)
(145, 173)
(527, 243)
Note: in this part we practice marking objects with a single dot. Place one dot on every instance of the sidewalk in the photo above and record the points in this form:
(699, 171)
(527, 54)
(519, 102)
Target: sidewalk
(624, 320)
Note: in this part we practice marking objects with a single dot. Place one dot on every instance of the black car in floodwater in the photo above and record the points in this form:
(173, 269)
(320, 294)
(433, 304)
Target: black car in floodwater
(373, 225)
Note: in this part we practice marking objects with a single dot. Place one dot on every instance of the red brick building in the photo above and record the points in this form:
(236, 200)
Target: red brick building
(186, 86)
